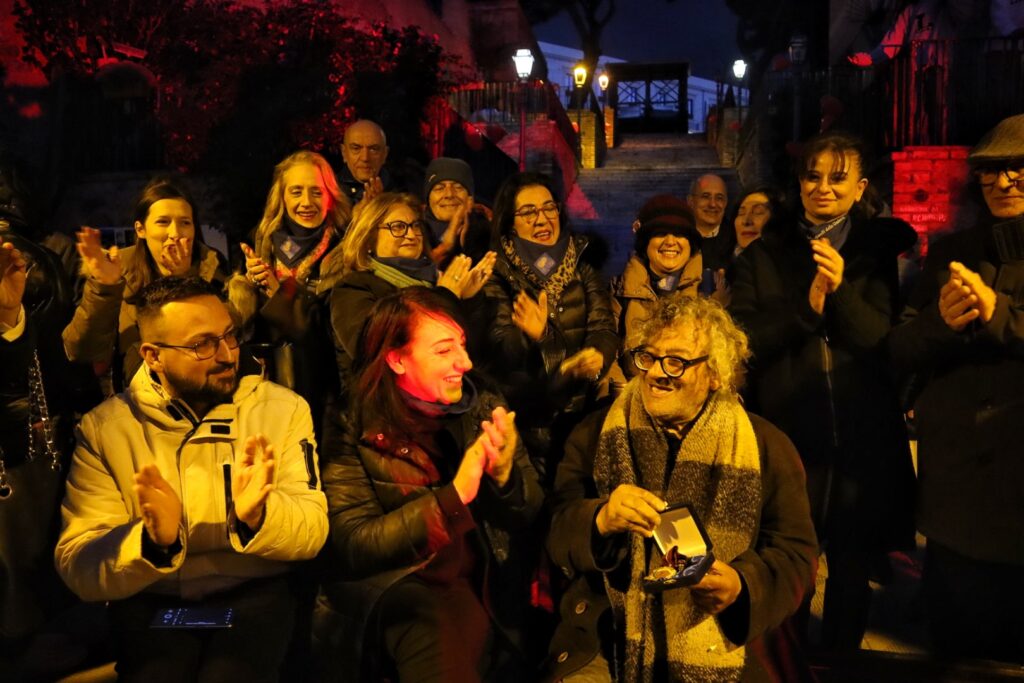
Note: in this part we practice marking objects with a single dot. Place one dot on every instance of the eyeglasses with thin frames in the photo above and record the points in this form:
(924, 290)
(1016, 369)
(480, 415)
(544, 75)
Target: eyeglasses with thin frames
(401, 228)
(673, 366)
(206, 347)
(530, 212)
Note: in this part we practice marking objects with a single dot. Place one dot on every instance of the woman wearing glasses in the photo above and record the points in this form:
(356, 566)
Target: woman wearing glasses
(552, 333)
(818, 299)
(166, 222)
(385, 249)
(290, 267)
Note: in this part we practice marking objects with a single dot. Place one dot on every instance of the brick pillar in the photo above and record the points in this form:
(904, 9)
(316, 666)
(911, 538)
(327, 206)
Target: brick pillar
(928, 185)
(589, 127)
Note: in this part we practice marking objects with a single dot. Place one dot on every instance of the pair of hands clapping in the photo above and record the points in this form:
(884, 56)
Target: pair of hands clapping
(175, 257)
(252, 480)
(464, 279)
(492, 453)
(965, 298)
(829, 274)
(531, 317)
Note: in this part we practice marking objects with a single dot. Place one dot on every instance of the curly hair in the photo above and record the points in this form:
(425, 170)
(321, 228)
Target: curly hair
(728, 346)
(360, 239)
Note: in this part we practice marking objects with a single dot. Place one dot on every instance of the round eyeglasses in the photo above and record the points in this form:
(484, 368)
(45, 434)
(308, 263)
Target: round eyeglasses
(672, 366)
(206, 347)
(401, 228)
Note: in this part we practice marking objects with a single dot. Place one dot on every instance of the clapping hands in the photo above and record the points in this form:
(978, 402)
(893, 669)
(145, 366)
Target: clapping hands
(965, 297)
(492, 453)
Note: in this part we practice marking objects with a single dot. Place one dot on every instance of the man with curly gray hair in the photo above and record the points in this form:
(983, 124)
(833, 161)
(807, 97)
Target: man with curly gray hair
(678, 435)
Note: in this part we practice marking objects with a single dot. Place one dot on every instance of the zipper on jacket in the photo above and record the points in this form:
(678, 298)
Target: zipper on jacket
(229, 502)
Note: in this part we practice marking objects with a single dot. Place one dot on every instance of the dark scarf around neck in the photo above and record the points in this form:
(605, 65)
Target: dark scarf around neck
(292, 242)
(836, 230)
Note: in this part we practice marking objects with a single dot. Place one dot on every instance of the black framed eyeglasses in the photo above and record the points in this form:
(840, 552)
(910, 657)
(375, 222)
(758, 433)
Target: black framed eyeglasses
(673, 366)
(206, 347)
(401, 228)
(987, 177)
(530, 212)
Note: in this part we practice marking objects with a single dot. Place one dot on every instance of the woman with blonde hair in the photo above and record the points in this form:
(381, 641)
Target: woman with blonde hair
(294, 260)
(386, 249)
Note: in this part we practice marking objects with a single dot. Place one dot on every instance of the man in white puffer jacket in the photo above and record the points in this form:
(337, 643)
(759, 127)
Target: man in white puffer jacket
(193, 489)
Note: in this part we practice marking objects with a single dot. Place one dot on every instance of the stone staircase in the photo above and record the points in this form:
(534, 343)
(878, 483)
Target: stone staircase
(605, 200)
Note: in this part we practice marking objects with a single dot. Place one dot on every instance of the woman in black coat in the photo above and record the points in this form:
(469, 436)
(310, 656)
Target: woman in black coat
(818, 300)
(429, 493)
(386, 248)
(550, 324)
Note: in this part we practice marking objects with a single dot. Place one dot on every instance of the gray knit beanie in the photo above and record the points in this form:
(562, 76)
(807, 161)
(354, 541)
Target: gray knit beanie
(447, 168)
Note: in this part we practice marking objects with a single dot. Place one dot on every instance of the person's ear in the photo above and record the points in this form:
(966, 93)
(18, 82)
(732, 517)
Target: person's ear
(862, 185)
(394, 361)
(140, 230)
(151, 356)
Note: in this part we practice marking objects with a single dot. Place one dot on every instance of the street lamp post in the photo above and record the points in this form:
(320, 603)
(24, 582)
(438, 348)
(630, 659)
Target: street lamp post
(739, 70)
(523, 60)
(579, 77)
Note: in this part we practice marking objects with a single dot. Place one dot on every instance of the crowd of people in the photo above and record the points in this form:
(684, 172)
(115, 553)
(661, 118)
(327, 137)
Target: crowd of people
(411, 437)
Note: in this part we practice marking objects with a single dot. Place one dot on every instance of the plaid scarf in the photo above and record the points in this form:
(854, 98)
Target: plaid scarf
(717, 471)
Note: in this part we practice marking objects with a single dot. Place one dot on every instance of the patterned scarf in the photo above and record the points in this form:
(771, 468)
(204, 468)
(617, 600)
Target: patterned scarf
(717, 471)
(559, 279)
(301, 269)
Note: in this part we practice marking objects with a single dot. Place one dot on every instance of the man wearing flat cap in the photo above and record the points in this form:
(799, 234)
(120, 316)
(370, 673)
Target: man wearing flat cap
(457, 224)
(962, 342)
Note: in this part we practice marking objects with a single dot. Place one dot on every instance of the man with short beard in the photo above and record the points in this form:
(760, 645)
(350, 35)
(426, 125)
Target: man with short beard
(193, 489)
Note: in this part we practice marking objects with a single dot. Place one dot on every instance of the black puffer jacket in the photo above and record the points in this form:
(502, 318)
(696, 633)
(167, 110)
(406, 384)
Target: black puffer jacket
(823, 379)
(393, 508)
(527, 371)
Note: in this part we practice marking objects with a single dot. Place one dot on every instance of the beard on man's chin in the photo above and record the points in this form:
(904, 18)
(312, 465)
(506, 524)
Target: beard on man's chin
(216, 389)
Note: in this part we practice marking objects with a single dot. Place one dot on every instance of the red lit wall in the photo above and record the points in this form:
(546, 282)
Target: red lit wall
(927, 187)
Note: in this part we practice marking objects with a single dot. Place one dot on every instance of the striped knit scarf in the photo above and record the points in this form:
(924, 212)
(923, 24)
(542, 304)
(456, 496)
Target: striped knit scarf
(398, 278)
(716, 471)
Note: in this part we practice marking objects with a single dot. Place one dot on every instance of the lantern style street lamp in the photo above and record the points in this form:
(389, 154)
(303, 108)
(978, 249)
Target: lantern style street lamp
(523, 59)
(739, 70)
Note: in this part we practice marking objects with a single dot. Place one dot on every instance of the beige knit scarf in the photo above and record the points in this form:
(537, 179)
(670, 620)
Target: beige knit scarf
(717, 471)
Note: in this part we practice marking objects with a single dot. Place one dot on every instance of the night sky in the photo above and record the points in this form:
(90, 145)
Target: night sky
(701, 32)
